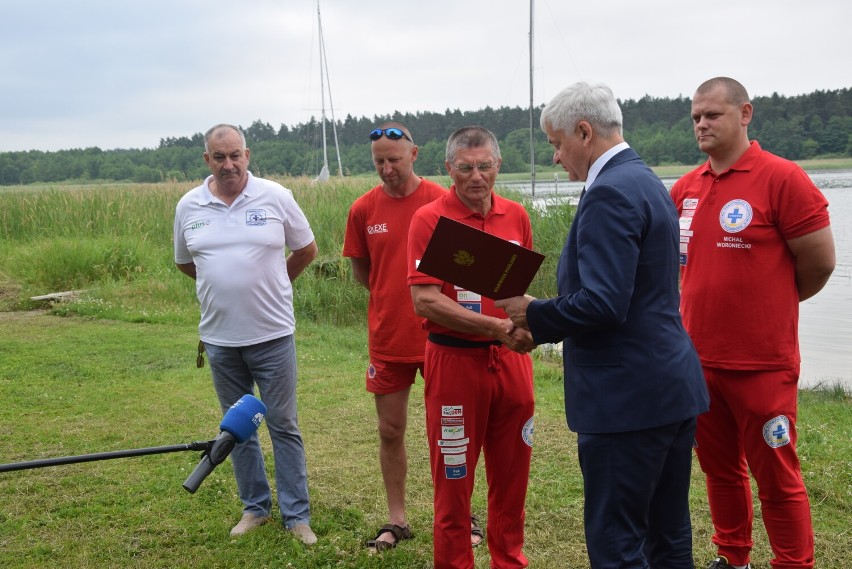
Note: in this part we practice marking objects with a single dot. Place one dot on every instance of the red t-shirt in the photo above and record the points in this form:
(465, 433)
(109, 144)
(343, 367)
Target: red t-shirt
(506, 219)
(739, 299)
(377, 229)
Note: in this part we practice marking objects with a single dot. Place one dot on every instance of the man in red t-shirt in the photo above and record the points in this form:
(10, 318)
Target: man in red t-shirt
(376, 236)
(755, 241)
(479, 391)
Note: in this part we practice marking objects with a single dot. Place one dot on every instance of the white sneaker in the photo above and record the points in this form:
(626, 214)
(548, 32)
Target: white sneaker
(304, 533)
(248, 522)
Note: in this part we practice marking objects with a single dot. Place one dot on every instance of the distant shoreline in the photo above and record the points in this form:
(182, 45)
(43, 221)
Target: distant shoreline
(546, 173)
(678, 170)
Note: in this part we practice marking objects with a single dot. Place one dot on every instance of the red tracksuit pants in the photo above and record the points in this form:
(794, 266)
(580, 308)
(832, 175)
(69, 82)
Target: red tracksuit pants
(479, 399)
(751, 424)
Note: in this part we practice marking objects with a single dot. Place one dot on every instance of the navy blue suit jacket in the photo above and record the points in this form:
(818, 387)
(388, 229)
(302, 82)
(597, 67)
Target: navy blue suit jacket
(629, 363)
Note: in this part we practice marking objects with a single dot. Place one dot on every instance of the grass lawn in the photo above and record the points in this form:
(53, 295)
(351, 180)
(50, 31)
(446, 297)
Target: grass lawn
(71, 386)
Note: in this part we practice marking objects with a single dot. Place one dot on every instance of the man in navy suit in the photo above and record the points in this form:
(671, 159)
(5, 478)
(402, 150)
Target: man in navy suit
(633, 381)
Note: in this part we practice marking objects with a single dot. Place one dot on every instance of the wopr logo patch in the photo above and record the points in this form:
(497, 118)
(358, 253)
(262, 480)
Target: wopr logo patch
(527, 431)
(255, 217)
(735, 216)
(776, 432)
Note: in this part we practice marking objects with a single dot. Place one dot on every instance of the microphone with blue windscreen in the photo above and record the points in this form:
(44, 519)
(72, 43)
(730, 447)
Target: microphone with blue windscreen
(244, 417)
(240, 422)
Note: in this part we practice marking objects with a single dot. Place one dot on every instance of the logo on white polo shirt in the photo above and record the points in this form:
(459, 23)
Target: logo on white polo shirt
(255, 217)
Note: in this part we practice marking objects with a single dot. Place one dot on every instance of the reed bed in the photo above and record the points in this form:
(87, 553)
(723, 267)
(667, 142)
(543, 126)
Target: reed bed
(114, 242)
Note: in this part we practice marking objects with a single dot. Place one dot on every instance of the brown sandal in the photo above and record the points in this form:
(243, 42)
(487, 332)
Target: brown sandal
(477, 531)
(399, 533)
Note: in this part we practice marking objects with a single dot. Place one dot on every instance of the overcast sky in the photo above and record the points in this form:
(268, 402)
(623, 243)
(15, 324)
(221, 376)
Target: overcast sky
(120, 74)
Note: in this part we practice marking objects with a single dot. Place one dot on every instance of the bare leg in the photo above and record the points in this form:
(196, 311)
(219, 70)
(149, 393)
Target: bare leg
(392, 412)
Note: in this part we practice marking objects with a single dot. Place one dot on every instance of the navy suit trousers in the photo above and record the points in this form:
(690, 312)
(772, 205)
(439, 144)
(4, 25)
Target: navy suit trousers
(636, 488)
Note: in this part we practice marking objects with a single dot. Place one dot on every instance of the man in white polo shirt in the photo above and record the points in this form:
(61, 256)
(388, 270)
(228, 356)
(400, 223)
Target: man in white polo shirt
(230, 235)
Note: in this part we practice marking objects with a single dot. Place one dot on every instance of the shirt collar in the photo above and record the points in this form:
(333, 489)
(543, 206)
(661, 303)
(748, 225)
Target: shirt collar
(461, 211)
(743, 164)
(205, 197)
(598, 164)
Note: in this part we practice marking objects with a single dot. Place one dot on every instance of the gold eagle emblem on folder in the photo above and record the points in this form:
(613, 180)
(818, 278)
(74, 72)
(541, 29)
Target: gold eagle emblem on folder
(464, 258)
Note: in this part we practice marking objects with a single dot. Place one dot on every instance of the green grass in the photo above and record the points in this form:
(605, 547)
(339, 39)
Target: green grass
(71, 386)
(115, 369)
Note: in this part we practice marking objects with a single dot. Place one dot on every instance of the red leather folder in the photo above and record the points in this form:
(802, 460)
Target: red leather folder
(478, 261)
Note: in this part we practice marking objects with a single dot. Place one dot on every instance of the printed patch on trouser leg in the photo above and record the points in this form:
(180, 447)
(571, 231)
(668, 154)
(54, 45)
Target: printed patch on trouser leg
(776, 432)
(453, 443)
(527, 431)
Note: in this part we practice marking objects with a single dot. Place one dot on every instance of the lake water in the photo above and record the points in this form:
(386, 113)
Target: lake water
(825, 321)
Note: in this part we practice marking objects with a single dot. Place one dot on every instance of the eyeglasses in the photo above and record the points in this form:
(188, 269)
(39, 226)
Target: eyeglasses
(484, 167)
(392, 133)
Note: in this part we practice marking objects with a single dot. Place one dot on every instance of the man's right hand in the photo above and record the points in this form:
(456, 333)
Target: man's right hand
(517, 339)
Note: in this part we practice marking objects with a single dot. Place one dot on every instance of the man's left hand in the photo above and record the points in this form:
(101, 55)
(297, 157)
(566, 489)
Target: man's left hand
(516, 309)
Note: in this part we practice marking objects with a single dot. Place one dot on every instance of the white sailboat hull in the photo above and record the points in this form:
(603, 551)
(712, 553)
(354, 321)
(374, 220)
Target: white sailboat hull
(323, 175)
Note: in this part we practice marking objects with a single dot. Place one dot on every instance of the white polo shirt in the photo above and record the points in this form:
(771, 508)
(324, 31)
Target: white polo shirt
(239, 254)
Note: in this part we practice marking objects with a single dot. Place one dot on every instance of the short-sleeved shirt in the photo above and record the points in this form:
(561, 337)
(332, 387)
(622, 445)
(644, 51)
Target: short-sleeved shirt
(506, 219)
(377, 229)
(239, 253)
(739, 298)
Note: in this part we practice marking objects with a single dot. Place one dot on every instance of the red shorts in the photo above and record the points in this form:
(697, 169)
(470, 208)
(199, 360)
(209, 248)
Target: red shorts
(385, 377)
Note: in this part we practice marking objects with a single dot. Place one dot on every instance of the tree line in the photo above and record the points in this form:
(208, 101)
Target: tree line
(818, 124)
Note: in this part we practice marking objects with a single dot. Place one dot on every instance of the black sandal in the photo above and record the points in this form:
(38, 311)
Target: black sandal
(477, 531)
(399, 533)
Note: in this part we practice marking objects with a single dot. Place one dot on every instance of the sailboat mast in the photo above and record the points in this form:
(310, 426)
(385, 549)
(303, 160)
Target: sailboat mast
(532, 137)
(330, 102)
(322, 92)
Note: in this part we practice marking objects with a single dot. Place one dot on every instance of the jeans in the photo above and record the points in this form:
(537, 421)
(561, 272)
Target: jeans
(272, 367)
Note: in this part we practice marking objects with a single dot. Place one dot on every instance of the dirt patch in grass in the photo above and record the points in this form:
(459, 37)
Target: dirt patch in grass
(9, 293)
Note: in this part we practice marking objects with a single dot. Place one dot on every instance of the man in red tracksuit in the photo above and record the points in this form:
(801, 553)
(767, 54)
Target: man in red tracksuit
(478, 387)
(755, 241)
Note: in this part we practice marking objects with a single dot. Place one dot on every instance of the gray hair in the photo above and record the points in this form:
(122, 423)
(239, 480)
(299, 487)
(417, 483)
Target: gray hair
(594, 104)
(212, 130)
(471, 137)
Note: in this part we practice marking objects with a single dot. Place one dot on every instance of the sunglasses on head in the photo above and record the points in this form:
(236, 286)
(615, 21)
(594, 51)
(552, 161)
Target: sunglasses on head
(392, 133)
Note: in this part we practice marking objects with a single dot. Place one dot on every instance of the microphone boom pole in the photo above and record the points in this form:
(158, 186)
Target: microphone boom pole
(193, 446)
